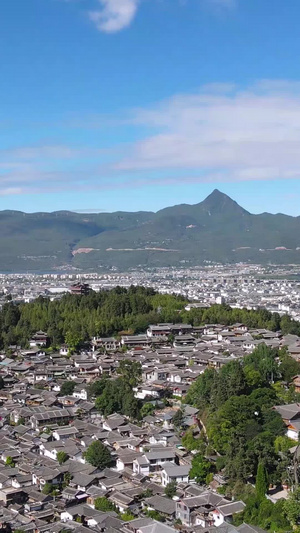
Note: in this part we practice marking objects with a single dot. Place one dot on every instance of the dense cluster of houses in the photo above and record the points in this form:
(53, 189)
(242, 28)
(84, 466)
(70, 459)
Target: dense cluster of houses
(37, 423)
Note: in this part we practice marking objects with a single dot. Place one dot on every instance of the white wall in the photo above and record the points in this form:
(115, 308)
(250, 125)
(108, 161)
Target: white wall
(292, 434)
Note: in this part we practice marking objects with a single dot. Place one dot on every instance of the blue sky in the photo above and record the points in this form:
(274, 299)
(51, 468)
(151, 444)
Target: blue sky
(139, 104)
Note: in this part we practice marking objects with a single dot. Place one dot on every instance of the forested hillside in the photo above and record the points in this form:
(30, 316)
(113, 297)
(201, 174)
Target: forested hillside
(216, 229)
(76, 319)
(245, 433)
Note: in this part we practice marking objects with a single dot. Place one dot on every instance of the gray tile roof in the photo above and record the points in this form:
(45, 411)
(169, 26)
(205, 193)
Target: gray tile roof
(176, 471)
(162, 504)
(246, 528)
(230, 508)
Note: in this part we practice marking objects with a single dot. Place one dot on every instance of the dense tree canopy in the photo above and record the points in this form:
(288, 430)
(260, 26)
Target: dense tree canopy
(75, 319)
(67, 388)
(235, 404)
(98, 455)
(201, 467)
(118, 397)
(103, 504)
(131, 372)
(292, 507)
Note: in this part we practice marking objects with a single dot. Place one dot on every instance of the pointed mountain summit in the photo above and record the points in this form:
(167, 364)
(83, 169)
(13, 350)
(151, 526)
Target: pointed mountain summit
(216, 205)
(217, 229)
(219, 203)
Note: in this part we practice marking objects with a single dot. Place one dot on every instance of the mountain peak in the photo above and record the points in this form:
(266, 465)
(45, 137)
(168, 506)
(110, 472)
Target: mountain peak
(217, 196)
(219, 202)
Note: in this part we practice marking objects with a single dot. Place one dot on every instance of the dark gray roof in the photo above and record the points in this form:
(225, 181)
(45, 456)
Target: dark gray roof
(175, 470)
(162, 454)
(231, 508)
(207, 498)
(162, 504)
(288, 411)
(246, 528)
(157, 527)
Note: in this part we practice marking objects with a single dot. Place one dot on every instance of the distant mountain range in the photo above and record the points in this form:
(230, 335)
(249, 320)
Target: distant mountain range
(217, 229)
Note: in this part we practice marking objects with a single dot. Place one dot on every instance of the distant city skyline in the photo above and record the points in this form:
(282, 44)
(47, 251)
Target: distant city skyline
(131, 105)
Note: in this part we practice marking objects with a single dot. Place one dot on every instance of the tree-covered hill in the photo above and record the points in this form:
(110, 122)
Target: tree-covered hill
(110, 312)
(245, 438)
(216, 229)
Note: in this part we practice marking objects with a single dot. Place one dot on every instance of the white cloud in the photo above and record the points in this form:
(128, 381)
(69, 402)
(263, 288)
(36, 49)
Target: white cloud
(222, 133)
(114, 15)
(46, 168)
(228, 134)
(10, 191)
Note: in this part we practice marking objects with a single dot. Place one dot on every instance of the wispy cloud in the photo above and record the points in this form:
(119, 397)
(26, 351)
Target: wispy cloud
(114, 15)
(10, 191)
(228, 134)
(51, 168)
(222, 133)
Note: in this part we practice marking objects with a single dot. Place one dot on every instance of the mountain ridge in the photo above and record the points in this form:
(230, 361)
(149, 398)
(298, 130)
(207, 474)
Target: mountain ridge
(215, 194)
(216, 229)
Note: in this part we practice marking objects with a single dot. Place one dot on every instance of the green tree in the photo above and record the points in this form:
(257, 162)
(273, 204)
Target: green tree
(272, 422)
(62, 457)
(170, 489)
(263, 359)
(147, 409)
(291, 507)
(199, 393)
(190, 443)
(178, 419)
(73, 339)
(200, 468)
(118, 397)
(98, 455)
(279, 520)
(67, 388)
(231, 421)
(232, 375)
(67, 478)
(127, 516)
(155, 515)
(10, 462)
(261, 483)
(283, 444)
(47, 488)
(131, 372)
(263, 397)
(253, 377)
(288, 366)
(96, 388)
(103, 504)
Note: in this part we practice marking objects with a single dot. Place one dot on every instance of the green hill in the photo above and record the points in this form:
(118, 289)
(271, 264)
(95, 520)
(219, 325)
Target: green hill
(217, 229)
